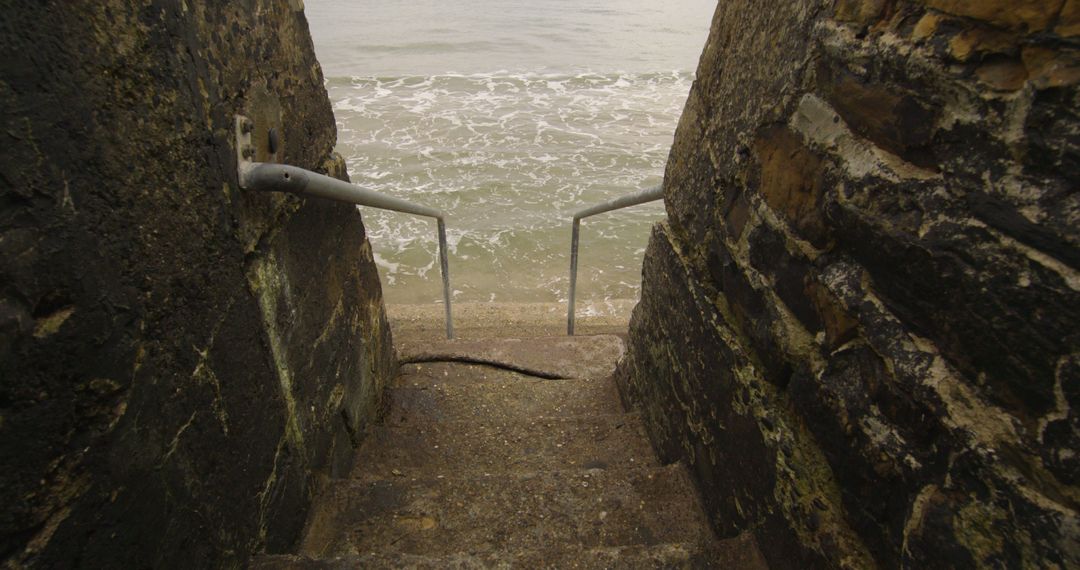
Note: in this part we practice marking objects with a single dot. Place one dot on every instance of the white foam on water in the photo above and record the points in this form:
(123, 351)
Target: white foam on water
(390, 269)
(509, 157)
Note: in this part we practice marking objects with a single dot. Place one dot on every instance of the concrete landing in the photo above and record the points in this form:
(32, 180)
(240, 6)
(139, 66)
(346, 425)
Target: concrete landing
(550, 357)
(473, 321)
(492, 466)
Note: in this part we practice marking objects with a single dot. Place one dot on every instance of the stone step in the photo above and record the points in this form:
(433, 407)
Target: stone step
(440, 516)
(441, 392)
(501, 446)
(734, 554)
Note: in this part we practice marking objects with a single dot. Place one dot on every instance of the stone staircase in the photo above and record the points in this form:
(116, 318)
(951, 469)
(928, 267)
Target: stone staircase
(511, 454)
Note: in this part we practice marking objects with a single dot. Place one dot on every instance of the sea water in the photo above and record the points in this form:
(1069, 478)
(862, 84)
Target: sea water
(508, 115)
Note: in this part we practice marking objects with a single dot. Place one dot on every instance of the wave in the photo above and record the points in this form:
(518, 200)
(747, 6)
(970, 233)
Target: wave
(577, 78)
(509, 156)
(433, 47)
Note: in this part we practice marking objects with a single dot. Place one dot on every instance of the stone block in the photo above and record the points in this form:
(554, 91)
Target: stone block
(792, 180)
(1068, 24)
(1025, 15)
(978, 41)
(890, 116)
(863, 12)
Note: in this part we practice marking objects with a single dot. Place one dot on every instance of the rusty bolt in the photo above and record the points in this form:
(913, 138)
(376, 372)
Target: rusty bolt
(249, 152)
(246, 126)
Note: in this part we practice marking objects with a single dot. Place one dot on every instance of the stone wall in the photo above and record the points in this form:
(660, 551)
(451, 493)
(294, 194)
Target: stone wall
(181, 362)
(859, 325)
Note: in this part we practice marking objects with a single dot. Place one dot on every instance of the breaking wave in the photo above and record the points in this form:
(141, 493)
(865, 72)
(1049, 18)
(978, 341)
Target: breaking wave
(509, 157)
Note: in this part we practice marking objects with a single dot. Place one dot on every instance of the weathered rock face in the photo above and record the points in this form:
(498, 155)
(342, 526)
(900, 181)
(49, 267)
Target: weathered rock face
(860, 324)
(180, 361)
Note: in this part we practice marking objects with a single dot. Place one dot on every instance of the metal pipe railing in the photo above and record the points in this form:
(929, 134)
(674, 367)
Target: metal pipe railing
(270, 177)
(639, 197)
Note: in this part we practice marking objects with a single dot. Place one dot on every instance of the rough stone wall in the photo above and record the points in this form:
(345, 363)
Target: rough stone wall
(181, 362)
(859, 325)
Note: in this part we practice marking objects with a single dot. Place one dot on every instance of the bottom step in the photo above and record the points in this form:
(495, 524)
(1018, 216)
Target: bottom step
(735, 554)
(591, 508)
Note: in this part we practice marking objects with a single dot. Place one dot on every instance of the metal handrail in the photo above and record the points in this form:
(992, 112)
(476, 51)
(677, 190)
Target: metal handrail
(639, 197)
(271, 177)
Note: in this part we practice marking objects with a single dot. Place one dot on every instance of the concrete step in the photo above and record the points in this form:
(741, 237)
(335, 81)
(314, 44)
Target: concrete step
(734, 554)
(584, 508)
(500, 446)
(441, 392)
(561, 356)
